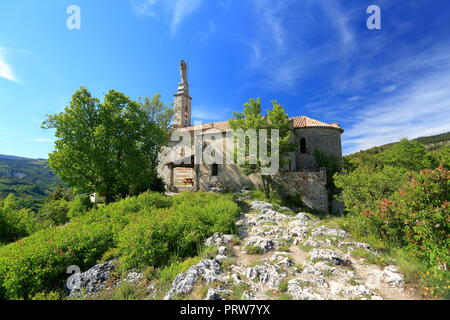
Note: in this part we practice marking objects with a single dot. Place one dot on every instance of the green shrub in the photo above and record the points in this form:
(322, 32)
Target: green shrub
(283, 286)
(40, 261)
(15, 223)
(362, 188)
(418, 216)
(79, 206)
(55, 212)
(253, 250)
(160, 235)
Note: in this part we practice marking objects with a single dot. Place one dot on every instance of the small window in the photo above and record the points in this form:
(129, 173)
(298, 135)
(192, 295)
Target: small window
(215, 170)
(302, 145)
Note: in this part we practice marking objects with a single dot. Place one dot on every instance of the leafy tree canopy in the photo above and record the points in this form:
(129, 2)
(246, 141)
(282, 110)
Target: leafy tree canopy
(252, 118)
(108, 147)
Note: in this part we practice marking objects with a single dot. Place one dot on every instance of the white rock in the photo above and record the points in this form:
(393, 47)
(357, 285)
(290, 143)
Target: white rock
(208, 269)
(329, 255)
(299, 291)
(323, 231)
(264, 244)
(218, 240)
(260, 205)
(392, 277)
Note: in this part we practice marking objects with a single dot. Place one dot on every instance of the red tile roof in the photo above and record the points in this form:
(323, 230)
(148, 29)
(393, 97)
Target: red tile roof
(306, 122)
(298, 122)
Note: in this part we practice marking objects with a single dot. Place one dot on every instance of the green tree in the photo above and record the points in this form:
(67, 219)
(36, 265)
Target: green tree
(442, 156)
(157, 111)
(252, 118)
(362, 188)
(410, 155)
(108, 147)
(15, 223)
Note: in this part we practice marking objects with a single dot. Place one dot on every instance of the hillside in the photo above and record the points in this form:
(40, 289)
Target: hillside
(431, 142)
(26, 178)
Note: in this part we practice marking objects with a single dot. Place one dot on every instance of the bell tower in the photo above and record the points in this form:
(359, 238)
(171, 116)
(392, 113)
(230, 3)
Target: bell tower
(182, 102)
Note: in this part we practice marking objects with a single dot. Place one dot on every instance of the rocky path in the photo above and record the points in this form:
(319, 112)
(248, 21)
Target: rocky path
(288, 256)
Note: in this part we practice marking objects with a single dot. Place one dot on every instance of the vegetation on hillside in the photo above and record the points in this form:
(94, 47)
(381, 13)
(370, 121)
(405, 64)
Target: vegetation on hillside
(150, 230)
(30, 180)
(398, 199)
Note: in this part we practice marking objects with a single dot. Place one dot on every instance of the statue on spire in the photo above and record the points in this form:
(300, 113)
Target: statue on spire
(183, 86)
(183, 71)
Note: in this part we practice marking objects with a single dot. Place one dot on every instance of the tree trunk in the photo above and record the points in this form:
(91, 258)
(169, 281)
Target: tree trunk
(109, 198)
(266, 187)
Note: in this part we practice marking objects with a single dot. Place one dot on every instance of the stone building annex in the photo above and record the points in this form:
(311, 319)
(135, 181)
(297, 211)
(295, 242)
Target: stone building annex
(301, 176)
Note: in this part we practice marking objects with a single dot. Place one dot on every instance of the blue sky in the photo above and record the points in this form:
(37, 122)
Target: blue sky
(317, 58)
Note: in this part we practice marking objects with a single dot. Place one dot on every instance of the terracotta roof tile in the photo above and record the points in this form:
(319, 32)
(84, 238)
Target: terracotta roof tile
(306, 122)
(298, 122)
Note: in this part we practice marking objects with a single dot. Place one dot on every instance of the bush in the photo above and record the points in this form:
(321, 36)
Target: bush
(15, 223)
(418, 216)
(55, 212)
(39, 262)
(159, 236)
(79, 206)
(362, 188)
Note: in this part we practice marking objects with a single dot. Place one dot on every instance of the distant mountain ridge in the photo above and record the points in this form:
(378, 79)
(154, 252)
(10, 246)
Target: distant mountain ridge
(431, 142)
(26, 178)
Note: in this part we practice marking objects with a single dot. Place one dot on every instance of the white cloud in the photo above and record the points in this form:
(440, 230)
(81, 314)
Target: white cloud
(43, 140)
(177, 10)
(6, 70)
(182, 9)
(281, 48)
(144, 7)
(421, 109)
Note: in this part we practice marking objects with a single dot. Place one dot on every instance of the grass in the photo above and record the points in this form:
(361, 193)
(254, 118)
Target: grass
(283, 286)
(227, 263)
(128, 291)
(253, 250)
(237, 291)
(286, 296)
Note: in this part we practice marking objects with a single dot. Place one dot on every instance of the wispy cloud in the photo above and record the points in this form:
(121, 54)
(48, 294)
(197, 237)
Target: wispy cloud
(283, 41)
(144, 7)
(420, 109)
(43, 140)
(6, 70)
(182, 9)
(176, 10)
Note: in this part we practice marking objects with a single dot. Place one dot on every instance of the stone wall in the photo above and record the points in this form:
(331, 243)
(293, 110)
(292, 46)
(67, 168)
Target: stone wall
(310, 185)
(229, 178)
(325, 139)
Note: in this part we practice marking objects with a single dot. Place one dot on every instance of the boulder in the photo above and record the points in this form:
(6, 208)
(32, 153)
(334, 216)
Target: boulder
(264, 244)
(218, 240)
(93, 280)
(323, 231)
(260, 205)
(208, 269)
(329, 255)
